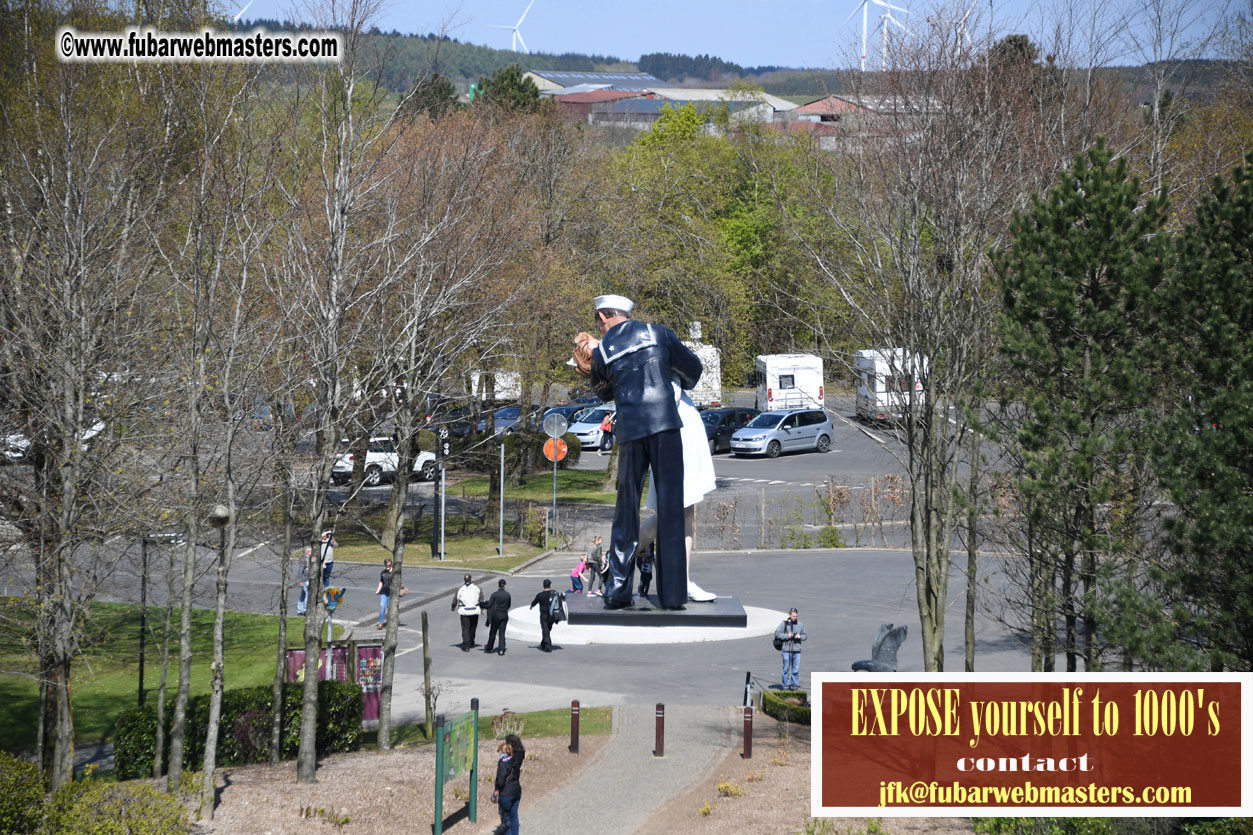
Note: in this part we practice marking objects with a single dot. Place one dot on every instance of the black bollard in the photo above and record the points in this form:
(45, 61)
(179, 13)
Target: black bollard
(574, 726)
(660, 750)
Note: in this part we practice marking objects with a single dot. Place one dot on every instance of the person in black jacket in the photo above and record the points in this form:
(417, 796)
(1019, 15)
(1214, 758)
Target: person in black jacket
(497, 616)
(508, 793)
(633, 365)
(544, 599)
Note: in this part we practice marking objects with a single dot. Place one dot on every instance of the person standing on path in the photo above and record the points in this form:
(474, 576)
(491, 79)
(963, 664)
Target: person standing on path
(596, 565)
(329, 544)
(634, 365)
(606, 433)
(498, 616)
(792, 633)
(646, 560)
(508, 793)
(468, 602)
(384, 592)
(302, 604)
(544, 600)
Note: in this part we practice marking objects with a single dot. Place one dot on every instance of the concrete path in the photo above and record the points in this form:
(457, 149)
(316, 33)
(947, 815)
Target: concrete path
(625, 784)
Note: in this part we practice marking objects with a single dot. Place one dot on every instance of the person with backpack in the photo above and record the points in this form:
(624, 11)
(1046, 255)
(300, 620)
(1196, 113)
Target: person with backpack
(787, 639)
(551, 610)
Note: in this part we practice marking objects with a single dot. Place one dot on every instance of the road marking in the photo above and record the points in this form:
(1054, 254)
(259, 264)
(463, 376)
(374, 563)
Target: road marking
(872, 436)
(780, 482)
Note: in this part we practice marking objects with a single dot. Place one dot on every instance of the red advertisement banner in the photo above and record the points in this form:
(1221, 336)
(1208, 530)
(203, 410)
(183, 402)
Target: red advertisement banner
(1107, 744)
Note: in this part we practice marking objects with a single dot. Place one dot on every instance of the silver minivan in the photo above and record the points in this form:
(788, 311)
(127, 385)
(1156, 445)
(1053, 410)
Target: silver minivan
(771, 433)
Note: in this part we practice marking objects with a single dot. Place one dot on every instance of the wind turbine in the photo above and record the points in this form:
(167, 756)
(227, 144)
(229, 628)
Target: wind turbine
(517, 35)
(240, 14)
(883, 22)
(864, 8)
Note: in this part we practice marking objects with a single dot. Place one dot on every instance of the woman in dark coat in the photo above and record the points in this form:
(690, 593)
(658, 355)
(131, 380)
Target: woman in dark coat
(508, 784)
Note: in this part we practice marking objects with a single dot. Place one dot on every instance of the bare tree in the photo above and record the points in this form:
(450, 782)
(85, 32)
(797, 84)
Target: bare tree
(947, 148)
(338, 264)
(82, 180)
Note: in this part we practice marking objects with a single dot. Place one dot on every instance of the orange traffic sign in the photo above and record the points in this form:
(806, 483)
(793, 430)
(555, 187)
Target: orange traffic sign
(555, 449)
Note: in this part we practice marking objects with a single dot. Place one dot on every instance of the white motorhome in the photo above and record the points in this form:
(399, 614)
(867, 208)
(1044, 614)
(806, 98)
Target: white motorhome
(789, 381)
(887, 382)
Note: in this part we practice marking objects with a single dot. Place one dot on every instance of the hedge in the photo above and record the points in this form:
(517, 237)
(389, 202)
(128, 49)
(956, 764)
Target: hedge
(244, 735)
(21, 795)
(97, 808)
(773, 705)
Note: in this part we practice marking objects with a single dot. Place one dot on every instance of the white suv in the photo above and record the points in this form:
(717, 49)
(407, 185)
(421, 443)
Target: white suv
(381, 459)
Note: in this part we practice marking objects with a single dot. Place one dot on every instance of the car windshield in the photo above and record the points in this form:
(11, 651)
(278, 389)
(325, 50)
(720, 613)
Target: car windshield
(509, 413)
(592, 416)
(711, 418)
(766, 420)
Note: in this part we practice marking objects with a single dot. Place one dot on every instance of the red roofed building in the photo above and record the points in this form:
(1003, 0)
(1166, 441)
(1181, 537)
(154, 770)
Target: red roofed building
(577, 107)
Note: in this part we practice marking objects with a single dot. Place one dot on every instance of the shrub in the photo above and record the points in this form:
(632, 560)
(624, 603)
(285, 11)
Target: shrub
(244, 735)
(21, 795)
(779, 704)
(135, 743)
(95, 808)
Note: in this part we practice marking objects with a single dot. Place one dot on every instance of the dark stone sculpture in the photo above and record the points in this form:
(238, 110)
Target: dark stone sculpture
(883, 650)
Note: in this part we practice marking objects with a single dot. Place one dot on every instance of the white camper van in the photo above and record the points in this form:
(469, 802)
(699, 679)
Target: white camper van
(789, 381)
(886, 380)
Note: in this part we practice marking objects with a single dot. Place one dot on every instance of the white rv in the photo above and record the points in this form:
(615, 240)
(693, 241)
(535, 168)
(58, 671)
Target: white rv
(887, 382)
(789, 381)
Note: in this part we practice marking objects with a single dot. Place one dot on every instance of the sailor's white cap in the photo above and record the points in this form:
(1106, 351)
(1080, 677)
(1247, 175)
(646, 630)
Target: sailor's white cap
(613, 302)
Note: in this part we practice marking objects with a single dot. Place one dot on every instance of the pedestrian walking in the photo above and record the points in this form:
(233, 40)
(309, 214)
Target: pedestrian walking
(597, 565)
(302, 603)
(468, 603)
(791, 632)
(497, 617)
(329, 544)
(508, 785)
(606, 433)
(646, 568)
(384, 592)
(544, 600)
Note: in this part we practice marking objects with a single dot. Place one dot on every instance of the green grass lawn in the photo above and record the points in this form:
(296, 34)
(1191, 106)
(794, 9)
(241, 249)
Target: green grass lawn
(572, 486)
(105, 678)
(593, 721)
(470, 551)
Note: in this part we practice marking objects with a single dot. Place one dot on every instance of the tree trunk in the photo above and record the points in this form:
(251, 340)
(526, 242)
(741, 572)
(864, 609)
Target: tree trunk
(226, 545)
(158, 755)
(972, 550)
(280, 664)
(178, 726)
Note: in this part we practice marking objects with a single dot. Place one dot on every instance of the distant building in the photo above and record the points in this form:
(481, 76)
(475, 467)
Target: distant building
(549, 81)
(641, 114)
(777, 105)
(577, 107)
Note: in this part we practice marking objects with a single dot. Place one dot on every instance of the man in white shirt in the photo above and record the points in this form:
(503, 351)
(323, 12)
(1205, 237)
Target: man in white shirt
(468, 602)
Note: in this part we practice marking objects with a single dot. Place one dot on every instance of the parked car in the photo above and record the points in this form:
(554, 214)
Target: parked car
(566, 410)
(507, 418)
(720, 425)
(457, 419)
(15, 447)
(771, 433)
(381, 459)
(586, 424)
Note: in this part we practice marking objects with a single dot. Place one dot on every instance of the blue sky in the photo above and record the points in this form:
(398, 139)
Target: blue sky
(808, 33)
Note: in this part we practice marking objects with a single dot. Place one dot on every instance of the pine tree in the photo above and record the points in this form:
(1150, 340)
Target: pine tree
(1205, 450)
(1076, 284)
